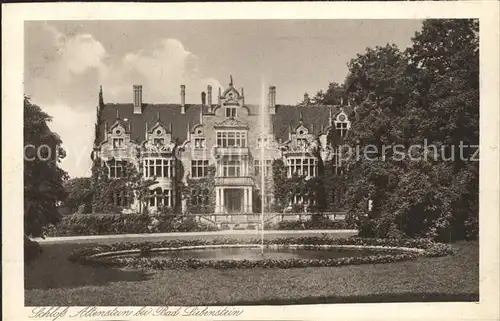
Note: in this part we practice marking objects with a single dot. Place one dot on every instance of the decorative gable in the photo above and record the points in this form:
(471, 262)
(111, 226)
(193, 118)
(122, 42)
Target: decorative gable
(231, 97)
(231, 123)
(342, 118)
(197, 138)
(158, 140)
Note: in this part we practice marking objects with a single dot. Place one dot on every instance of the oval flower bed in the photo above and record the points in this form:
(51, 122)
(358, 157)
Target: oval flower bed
(394, 250)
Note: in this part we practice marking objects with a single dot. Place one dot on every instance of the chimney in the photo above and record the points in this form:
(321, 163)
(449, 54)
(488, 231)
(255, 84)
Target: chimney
(306, 99)
(209, 97)
(272, 100)
(137, 99)
(203, 98)
(183, 99)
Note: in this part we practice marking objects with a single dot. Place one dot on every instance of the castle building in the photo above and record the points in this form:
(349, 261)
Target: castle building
(178, 142)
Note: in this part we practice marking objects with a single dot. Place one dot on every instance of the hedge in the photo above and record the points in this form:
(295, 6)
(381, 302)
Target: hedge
(87, 256)
(312, 224)
(89, 224)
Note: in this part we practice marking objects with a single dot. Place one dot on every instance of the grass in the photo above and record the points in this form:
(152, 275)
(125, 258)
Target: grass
(53, 280)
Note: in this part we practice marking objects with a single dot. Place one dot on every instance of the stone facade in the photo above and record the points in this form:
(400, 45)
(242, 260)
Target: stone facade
(179, 142)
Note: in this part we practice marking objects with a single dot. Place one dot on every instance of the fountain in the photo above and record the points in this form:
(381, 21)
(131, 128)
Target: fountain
(264, 130)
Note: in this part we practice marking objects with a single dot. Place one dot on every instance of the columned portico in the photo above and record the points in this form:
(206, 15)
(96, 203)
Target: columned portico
(233, 200)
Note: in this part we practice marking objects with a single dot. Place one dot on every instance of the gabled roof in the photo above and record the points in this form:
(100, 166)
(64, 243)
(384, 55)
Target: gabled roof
(315, 118)
(169, 115)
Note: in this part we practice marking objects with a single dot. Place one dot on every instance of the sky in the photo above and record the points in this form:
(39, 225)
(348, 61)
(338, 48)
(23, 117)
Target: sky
(65, 62)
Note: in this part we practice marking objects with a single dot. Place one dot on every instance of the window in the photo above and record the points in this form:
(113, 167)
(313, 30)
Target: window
(262, 142)
(199, 143)
(231, 168)
(199, 168)
(200, 197)
(167, 198)
(302, 166)
(118, 143)
(297, 197)
(158, 197)
(116, 169)
(302, 142)
(120, 198)
(267, 168)
(159, 167)
(337, 160)
(232, 139)
(341, 128)
(158, 141)
(230, 112)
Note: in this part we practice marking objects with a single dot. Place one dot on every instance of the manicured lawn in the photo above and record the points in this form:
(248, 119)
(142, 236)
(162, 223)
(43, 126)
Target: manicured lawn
(53, 280)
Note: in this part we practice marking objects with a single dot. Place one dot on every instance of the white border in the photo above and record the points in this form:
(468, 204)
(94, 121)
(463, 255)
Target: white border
(14, 16)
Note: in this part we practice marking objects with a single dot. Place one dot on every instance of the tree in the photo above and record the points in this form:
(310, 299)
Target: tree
(429, 93)
(43, 178)
(445, 55)
(333, 95)
(79, 193)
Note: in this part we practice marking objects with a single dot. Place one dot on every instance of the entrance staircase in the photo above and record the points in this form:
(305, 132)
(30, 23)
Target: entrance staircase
(253, 220)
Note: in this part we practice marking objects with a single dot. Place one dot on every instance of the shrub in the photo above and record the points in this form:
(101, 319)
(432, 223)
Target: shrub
(124, 224)
(317, 222)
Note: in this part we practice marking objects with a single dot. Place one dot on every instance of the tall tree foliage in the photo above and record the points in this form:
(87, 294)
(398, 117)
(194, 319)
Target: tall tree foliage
(427, 95)
(333, 95)
(43, 178)
(79, 194)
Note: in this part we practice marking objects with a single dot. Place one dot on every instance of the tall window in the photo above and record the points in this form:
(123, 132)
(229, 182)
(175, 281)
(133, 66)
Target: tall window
(337, 160)
(231, 168)
(120, 198)
(341, 128)
(158, 167)
(200, 197)
(199, 143)
(297, 197)
(199, 168)
(232, 139)
(230, 112)
(267, 167)
(158, 197)
(306, 166)
(116, 168)
(118, 142)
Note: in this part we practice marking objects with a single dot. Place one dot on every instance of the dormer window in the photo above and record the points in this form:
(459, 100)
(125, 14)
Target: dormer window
(159, 141)
(199, 143)
(118, 142)
(301, 142)
(341, 128)
(342, 124)
(230, 112)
